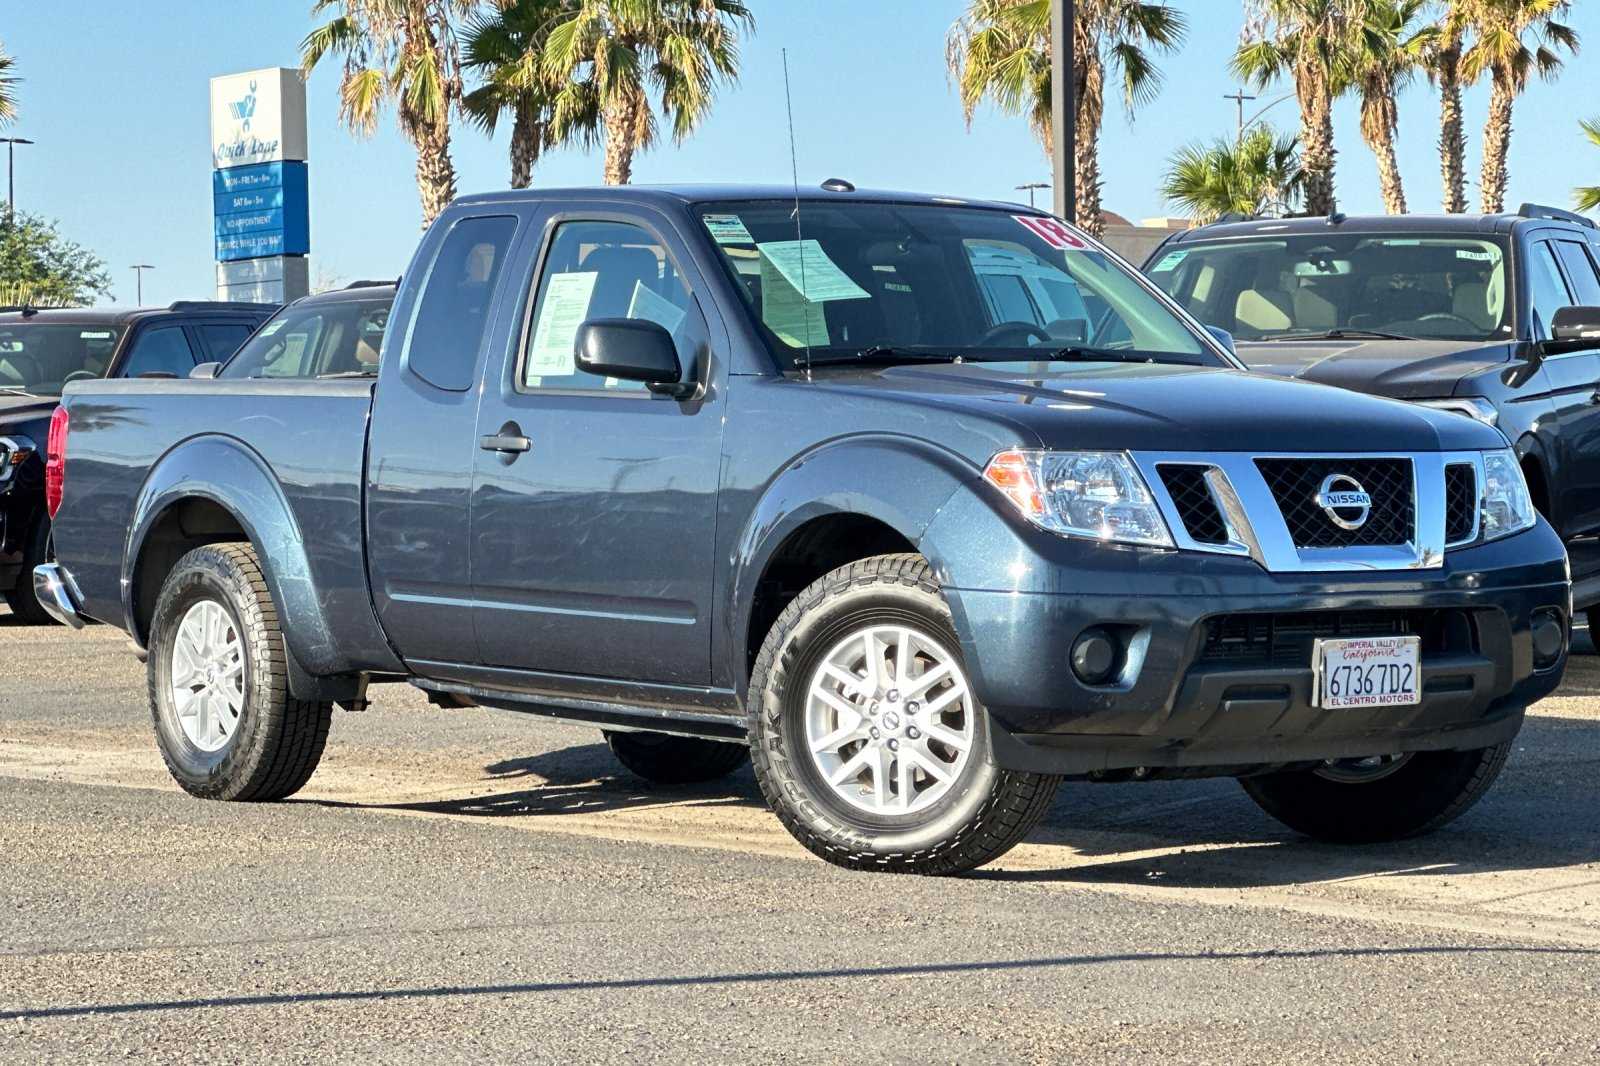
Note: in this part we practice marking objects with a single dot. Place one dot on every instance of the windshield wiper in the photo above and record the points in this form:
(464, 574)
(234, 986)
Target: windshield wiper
(15, 390)
(1341, 335)
(881, 353)
(1078, 353)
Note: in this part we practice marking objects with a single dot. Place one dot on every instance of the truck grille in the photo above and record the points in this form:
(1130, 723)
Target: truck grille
(1197, 508)
(1286, 639)
(1295, 483)
(1460, 502)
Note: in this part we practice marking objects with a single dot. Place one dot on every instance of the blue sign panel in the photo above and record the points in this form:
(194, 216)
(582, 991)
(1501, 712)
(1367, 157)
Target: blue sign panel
(261, 209)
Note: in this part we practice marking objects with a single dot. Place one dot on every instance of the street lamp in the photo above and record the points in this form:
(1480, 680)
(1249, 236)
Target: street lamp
(1030, 186)
(1063, 108)
(138, 275)
(11, 175)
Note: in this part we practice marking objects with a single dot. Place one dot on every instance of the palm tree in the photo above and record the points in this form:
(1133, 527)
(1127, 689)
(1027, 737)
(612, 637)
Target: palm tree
(8, 88)
(505, 48)
(1000, 51)
(606, 55)
(1515, 38)
(1310, 41)
(404, 51)
(1253, 175)
(1588, 196)
(1444, 70)
(1389, 49)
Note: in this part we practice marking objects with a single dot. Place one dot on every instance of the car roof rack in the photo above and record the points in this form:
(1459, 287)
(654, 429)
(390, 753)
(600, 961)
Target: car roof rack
(1559, 214)
(219, 305)
(372, 284)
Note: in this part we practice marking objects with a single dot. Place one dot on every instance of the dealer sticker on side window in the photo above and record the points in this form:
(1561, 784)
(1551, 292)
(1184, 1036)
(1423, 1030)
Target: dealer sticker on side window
(1052, 231)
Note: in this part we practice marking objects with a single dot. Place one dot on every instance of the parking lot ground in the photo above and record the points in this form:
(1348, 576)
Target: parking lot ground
(469, 885)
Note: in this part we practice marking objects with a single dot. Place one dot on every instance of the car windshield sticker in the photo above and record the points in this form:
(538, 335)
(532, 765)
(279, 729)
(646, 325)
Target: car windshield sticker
(566, 302)
(807, 267)
(796, 320)
(272, 327)
(1052, 231)
(1481, 257)
(728, 229)
(647, 304)
(1169, 261)
(95, 335)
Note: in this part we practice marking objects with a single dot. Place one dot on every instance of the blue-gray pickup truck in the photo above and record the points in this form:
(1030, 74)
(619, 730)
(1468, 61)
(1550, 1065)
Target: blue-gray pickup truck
(922, 504)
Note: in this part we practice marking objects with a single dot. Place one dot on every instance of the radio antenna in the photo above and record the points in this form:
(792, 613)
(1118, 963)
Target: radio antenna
(799, 236)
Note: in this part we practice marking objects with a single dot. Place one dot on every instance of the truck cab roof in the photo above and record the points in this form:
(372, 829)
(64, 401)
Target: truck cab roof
(679, 195)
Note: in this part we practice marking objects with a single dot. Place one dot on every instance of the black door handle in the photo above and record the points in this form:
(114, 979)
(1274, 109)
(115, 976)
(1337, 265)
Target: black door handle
(508, 440)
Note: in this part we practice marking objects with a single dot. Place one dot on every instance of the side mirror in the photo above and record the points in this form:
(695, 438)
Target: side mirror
(1223, 338)
(633, 349)
(1574, 329)
(205, 371)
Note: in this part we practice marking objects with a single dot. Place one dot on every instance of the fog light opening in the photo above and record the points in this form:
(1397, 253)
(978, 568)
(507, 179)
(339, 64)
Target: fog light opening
(1549, 637)
(1097, 656)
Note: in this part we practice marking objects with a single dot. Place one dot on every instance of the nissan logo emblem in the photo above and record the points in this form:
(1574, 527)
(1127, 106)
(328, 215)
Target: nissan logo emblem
(1344, 501)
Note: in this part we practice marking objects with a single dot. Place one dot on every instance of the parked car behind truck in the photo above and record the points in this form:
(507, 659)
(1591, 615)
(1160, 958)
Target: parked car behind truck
(727, 474)
(1494, 317)
(43, 350)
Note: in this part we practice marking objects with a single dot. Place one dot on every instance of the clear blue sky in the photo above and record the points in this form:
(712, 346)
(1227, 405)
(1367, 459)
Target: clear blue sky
(116, 95)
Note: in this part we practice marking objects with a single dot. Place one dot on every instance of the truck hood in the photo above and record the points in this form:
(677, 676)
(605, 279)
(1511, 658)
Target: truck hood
(1157, 407)
(15, 410)
(1415, 369)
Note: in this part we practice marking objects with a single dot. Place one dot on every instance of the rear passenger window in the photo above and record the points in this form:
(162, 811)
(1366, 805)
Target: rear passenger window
(452, 315)
(603, 270)
(1581, 272)
(160, 351)
(222, 340)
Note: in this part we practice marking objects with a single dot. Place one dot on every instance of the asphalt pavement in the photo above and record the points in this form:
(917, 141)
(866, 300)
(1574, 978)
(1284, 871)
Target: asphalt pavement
(474, 885)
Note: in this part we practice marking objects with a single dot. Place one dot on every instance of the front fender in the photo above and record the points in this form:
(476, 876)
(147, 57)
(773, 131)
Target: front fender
(899, 482)
(230, 474)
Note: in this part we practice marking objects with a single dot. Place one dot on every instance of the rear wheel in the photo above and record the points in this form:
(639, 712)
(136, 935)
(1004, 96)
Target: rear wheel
(225, 721)
(23, 603)
(672, 760)
(1388, 797)
(867, 738)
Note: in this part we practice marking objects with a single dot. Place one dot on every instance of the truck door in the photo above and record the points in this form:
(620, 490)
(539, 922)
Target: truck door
(421, 444)
(1573, 379)
(594, 499)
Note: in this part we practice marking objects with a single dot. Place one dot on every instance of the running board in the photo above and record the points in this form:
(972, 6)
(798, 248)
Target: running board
(616, 716)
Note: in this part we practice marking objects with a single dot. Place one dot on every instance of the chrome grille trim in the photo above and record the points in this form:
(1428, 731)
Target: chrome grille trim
(1257, 529)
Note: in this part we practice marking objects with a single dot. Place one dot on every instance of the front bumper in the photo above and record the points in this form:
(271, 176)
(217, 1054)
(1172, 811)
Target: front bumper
(1180, 704)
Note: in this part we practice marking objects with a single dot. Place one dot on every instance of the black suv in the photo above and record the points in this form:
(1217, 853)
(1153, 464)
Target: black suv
(42, 350)
(1494, 316)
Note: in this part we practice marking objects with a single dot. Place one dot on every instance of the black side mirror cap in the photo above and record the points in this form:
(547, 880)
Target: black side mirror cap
(632, 349)
(1573, 329)
(205, 371)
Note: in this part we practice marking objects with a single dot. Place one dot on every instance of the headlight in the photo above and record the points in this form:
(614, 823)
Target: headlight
(14, 451)
(1098, 495)
(1507, 507)
(1471, 406)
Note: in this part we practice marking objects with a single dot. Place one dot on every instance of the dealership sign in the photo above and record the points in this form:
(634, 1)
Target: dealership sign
(260, 204)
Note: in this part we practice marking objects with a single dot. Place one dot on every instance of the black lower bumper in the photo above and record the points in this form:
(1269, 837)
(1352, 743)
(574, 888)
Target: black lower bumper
(1220, 674)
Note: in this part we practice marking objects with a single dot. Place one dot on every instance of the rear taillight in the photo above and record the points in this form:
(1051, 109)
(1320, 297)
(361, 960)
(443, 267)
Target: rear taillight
(55, 463)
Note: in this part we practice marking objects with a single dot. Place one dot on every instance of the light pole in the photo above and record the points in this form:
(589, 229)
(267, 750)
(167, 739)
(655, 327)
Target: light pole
(1063, 108)
(1030, 187)
(1239, 98)
(138, 282)
(11, 175)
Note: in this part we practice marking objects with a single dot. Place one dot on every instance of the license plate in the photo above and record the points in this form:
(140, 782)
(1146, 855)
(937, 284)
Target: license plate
(1367, 672)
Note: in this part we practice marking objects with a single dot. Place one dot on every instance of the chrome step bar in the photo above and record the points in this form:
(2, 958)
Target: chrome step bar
(58, 595)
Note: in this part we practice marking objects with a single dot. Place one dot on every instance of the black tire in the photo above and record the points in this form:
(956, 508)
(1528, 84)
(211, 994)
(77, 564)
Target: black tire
(1426, 791)
(984, 813)
(1592, 617)
(23, 603)
(672, 760)
(275, 742)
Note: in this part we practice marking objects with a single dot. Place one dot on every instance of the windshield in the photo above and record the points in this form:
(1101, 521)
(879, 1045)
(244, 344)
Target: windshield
(40, 358)
(1407, 285)
(880, 280)
(316, 340)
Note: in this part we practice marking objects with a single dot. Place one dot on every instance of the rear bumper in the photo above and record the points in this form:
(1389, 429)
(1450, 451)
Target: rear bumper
(58, 595)
(1188, 701)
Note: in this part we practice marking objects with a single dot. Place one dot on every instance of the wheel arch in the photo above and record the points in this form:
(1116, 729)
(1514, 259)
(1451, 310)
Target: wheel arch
(844, 501)
(216, 489)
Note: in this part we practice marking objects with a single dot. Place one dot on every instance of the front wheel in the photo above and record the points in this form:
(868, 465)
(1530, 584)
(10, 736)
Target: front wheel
(1388, 797)
(866, 736)
(226, 723)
